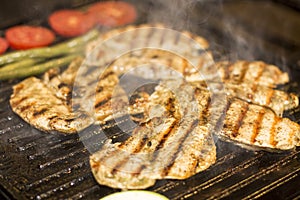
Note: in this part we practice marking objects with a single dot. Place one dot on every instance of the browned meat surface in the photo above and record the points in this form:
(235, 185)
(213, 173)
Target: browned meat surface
(259, 126)
(171, 143)
(254, 72)
(277, 100)
(38, 105)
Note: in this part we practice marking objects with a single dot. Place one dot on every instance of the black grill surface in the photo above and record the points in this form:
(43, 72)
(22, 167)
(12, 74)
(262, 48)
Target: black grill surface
(38, 165)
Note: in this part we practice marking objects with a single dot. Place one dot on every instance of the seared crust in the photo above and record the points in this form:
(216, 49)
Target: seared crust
(38, 105)
(259, 126)
(171, 143)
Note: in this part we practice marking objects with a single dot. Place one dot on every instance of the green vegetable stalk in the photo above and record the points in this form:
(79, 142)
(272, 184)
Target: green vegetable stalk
(37, 69)
(21, 64)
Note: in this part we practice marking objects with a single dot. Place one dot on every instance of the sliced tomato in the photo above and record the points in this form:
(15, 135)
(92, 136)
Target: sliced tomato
(113, 13)
(3, 45)
(26, 37)
(70, 23)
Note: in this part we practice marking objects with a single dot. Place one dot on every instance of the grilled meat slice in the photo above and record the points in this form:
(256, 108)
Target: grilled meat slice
(254, 72)
(259, 126)
(133, 46)
(169, 144)
(38, 105)
(47, 104)
(62, 82)
(277, 100)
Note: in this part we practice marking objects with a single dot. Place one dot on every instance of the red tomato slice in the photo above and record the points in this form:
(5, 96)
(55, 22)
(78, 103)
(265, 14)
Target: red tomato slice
(26, 37)
(113, 13)
(70, 23)
(3, 45)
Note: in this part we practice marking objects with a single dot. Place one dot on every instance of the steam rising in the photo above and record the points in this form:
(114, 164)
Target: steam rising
(173, 13)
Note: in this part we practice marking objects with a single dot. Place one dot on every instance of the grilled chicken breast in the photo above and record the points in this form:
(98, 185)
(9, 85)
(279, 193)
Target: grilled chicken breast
(277, 100)
(134, 46)
(47, 103)
(38, 105)
(259, 126)
(254, 72)
(170, 143)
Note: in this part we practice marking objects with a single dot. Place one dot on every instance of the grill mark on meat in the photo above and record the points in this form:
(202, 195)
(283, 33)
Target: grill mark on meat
(269, 96)
(99, 89)
(262, 69)
(40, 112)
(106, 75)
(205, 113)
(255, 86)
(138, 147)
(23, 108)
(101, 103)
(130, 139)
(62, 84)
(145, 140)
(52, 117)
(239, 122)
(243, 72)
(179, 148)
(259, 74)
(164, 139)
(227, 71)
(159, 146)
(257, 126)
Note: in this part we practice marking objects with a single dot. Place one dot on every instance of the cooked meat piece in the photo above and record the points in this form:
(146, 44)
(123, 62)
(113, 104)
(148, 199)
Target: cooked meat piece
(110, 99)
(38, 105)
(254, 72)
(170, 143)
(134, 46)
(47, 104)
(277, 100)
(62, 82)
(259, 126)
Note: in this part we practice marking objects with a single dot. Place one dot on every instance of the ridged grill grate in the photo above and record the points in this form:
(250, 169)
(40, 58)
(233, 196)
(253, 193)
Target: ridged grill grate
(37, 165)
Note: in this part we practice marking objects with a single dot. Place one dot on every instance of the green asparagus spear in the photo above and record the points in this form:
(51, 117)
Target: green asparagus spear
(37, 69)
(21, 64)
(67, 47)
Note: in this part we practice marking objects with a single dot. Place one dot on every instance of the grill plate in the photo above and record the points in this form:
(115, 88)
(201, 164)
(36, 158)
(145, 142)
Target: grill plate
(37, 165)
